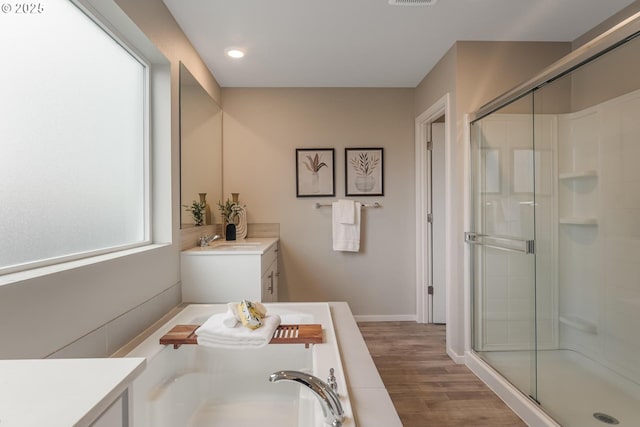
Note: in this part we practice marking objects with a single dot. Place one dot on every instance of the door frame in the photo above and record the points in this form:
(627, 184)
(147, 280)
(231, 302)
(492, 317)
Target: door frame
(422, 124)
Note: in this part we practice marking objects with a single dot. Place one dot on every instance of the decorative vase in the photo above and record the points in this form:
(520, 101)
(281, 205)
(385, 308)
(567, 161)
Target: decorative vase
(241, 224)
(207, 209)
(315, 182)
(230, 232)
(234, 197)
(365, 183)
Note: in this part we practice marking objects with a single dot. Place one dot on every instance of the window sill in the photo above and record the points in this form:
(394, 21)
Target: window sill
(19, 276)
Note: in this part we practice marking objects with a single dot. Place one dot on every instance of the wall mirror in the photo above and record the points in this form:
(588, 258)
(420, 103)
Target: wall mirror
(200, 147)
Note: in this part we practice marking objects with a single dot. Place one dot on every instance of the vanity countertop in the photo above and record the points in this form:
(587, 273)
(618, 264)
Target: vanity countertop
(62, 392)
(251, 246)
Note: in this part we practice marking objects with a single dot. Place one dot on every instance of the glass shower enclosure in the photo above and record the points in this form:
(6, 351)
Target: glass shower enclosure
(555, 238)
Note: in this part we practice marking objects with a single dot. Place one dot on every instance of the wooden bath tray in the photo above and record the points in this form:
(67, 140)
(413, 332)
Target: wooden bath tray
(284, 334)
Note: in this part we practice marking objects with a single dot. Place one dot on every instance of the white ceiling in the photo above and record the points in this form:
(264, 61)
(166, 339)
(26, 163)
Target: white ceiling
(364, 43)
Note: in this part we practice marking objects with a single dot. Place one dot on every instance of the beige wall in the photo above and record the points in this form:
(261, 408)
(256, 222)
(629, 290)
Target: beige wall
(609, 76)
(474, 73)
(262, 129)
(90, 310)
(439, 81)
(488, 69)
(153, 17)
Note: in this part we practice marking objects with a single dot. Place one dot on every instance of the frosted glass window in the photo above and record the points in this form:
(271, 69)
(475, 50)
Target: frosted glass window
(73, 150)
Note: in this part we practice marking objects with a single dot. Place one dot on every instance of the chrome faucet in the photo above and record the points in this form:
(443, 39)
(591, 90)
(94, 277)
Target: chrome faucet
(331, 381)
(205, 239)
(329, 401)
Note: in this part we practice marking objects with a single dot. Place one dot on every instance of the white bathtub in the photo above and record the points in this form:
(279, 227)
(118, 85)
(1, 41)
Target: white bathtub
(198, 386)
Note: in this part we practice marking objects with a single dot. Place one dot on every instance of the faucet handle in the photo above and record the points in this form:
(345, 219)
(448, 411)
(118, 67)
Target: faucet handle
(331, 381)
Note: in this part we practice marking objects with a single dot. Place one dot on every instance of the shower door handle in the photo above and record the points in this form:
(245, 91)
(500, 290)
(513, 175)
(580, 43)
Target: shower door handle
(504, 243)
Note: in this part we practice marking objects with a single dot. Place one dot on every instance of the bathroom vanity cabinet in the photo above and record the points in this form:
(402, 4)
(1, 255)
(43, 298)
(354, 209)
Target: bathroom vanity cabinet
(231, 271)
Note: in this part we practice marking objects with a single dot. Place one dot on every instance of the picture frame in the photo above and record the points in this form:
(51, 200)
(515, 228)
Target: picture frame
(315, 172)
(364, 171)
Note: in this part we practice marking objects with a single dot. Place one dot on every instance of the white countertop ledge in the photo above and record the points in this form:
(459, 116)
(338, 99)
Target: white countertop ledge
(251, 246)
(62, 392)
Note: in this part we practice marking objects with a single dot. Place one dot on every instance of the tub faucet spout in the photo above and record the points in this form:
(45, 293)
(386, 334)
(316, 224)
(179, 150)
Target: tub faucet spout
(329, 401)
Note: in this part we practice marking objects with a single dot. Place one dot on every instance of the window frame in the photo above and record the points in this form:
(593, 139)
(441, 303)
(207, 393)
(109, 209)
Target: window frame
(104, 25)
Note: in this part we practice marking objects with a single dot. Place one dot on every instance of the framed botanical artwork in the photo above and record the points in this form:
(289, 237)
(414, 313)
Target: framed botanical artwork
(364, 172)
(315, 172)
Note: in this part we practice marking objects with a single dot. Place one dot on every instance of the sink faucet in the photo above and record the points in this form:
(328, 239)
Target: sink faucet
(205, 239)
(331, 406)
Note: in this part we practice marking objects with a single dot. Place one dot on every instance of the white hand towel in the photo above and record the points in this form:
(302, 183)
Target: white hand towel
(213, 333)
(346, 211)
(346, 237)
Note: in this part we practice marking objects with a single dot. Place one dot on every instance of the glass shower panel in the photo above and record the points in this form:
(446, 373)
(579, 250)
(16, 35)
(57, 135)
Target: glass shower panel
(588, 242)
(503, 163)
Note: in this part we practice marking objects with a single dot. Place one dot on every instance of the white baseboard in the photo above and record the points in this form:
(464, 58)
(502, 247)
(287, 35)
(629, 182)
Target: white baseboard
(386, 318)
(458, 359)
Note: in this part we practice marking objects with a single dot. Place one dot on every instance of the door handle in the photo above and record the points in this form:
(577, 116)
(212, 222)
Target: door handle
(504, 243)
(270, 288)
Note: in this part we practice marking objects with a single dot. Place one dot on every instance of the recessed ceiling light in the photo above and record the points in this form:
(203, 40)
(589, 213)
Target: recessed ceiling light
(234, 52)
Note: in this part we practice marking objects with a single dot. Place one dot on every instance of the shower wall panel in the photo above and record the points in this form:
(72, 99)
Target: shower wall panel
(600, 269)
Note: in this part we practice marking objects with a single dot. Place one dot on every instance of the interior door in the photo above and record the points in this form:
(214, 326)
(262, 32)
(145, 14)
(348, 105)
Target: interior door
(437, 225)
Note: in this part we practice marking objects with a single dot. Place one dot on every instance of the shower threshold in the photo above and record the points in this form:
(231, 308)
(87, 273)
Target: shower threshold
(571, 387)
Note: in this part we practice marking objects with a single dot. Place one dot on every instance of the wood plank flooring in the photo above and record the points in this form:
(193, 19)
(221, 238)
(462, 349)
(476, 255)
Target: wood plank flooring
(426, 386)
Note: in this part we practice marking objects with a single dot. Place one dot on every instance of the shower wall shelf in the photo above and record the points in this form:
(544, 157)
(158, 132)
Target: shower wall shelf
(578, 174)
(578, 221)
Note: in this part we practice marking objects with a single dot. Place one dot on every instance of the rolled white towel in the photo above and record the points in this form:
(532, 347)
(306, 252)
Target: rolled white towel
(230, 319)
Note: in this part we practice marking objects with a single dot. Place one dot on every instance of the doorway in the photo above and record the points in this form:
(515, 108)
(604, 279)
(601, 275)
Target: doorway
(432, 224)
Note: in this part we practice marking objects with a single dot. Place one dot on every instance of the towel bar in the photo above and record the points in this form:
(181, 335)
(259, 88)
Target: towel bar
(284, 334)
(364, 205)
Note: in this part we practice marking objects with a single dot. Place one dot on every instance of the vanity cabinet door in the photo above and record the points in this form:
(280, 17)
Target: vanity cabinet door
(229, 275)
(270, 283)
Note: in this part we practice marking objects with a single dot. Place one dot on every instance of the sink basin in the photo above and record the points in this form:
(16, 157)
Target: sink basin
(239, 244)
(226, 246)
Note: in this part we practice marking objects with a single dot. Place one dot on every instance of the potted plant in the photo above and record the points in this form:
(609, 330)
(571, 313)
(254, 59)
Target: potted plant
(197, 211)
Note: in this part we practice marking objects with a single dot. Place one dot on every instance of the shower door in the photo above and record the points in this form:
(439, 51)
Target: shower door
(501, 239)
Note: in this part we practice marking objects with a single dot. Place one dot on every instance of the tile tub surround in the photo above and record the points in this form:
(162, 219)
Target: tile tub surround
(370, 402)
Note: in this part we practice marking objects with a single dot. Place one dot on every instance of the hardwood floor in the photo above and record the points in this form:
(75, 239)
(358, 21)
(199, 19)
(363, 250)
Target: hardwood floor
(426, 386)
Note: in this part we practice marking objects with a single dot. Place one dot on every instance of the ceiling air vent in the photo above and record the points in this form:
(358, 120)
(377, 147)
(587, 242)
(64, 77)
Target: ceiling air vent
(412, 2)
